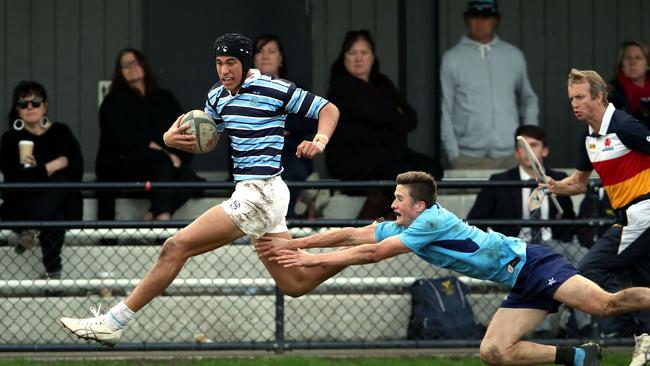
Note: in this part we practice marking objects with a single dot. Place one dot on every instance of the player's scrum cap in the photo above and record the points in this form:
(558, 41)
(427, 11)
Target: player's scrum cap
(482, 7)
(237, 46)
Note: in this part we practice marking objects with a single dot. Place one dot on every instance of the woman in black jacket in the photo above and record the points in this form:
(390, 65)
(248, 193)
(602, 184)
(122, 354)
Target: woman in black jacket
(370, 142)
(56, 157)
(371, 137)
(132, 119)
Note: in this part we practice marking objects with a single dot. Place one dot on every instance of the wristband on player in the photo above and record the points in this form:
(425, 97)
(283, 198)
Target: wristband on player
(320, 140)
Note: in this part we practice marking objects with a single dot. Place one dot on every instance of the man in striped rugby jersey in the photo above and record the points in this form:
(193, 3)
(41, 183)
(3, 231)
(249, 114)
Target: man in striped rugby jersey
(617, 146)
(252, 108)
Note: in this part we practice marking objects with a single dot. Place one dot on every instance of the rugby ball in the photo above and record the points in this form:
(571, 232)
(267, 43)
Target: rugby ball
(203, 127)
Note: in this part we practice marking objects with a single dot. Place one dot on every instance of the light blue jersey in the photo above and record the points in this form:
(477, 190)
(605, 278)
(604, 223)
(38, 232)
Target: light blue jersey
(254, 119)
(442, 239)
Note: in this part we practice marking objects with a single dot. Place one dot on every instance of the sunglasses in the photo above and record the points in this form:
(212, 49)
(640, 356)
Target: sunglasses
(24, 103)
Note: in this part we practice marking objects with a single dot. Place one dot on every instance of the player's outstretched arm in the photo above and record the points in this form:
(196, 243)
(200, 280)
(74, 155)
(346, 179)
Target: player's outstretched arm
(348, 236)
(176, 138)
(576, 183)
(328, 117)
(362, 254)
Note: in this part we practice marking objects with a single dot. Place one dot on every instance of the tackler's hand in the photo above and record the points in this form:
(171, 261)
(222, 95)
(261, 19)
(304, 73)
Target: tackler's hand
(175, 137)
(309, 149)
(267, 246)
(296, 258)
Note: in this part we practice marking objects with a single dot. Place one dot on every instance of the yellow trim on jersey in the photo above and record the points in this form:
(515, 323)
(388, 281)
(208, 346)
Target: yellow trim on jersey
(623, 193)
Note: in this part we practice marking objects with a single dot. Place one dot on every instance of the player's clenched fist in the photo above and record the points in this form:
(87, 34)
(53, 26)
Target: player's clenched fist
(309, 149)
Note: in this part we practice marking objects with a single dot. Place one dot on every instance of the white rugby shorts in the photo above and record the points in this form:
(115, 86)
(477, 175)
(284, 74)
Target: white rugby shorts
(638, 221)
(259, 206)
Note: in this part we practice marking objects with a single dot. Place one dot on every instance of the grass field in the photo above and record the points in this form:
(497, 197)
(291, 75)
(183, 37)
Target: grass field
(611, 359)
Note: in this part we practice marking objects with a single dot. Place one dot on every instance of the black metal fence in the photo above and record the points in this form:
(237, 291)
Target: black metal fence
(225, 299)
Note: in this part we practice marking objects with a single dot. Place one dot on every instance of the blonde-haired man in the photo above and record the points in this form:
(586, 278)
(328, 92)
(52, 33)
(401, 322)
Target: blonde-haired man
(617, 146)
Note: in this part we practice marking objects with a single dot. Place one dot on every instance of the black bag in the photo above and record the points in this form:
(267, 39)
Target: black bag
(439, 310)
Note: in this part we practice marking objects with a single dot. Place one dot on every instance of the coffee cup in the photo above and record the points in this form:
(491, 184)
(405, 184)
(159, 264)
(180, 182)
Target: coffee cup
(25, 149)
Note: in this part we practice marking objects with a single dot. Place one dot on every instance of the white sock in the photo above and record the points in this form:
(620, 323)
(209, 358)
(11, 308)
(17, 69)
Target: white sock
(119, 316)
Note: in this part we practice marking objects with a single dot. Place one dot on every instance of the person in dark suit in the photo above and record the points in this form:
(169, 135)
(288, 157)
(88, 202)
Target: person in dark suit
(508, 203)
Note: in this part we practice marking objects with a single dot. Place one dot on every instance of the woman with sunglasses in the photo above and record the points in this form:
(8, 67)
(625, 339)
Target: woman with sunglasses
(56, 157)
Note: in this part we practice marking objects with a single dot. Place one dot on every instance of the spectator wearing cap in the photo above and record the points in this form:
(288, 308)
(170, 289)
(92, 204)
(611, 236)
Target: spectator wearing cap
(486, 93)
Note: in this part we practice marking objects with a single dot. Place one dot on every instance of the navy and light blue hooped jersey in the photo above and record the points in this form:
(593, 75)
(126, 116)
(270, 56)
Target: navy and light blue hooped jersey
(254, 119)
(442, 239)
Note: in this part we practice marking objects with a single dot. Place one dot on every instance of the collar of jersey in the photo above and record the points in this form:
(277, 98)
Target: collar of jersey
(254, 75)
(604, 124)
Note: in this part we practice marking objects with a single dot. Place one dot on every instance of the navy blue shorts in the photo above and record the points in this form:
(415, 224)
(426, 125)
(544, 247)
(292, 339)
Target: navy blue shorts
(541, 275)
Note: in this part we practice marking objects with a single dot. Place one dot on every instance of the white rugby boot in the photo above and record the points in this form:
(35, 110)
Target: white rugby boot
(93, 329)
(641, 354)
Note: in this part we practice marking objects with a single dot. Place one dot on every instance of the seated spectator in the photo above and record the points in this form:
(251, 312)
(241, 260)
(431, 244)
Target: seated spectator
(630, 90)
(55, 157)
(371, 138)
(270, 59)
(509, 203)
(132, 119)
